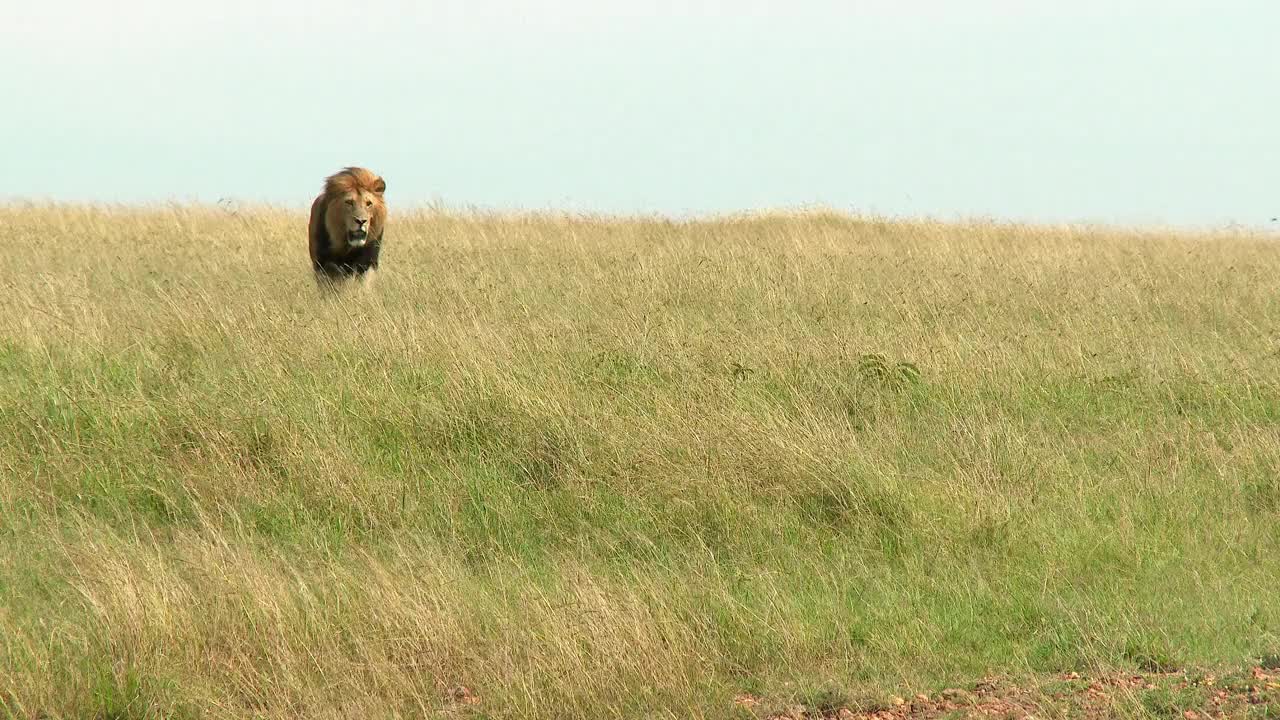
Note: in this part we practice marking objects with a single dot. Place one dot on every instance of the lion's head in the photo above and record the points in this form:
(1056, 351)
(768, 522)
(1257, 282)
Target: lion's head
(355, 211)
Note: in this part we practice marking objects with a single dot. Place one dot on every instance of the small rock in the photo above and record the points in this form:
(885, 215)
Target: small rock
(464, 695)
(922, 697)
(895, 700)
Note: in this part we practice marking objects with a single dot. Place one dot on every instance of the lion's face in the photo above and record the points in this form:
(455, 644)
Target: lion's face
(349, 215)
(356, 209)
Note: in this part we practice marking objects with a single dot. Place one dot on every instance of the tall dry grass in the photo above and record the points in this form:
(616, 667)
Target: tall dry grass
(572, 467)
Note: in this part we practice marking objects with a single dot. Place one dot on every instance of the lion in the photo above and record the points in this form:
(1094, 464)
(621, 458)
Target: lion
(347, 221)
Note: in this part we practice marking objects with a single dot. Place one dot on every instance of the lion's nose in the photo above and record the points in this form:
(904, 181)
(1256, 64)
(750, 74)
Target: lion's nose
(361, 221)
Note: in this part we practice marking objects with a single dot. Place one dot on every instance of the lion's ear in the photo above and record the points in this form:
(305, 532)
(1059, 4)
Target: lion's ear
(380, 186)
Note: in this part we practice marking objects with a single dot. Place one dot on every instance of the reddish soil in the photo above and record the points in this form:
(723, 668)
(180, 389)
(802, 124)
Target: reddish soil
(1253, 693)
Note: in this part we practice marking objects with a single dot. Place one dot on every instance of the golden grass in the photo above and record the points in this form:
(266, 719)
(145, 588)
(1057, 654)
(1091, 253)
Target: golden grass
(553, 466)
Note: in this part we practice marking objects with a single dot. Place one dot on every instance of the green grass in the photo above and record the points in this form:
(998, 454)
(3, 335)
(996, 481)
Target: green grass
(623, 468)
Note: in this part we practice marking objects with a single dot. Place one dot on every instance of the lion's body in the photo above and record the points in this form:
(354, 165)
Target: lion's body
(347, 222)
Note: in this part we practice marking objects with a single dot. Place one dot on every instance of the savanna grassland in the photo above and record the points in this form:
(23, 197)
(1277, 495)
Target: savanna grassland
(583, 468)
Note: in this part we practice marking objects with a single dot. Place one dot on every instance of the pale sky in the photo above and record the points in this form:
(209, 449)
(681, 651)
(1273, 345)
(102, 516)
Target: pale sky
(1137, 111)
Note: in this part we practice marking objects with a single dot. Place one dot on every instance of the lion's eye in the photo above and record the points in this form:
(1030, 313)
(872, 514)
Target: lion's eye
(368, 203)
(349, 201)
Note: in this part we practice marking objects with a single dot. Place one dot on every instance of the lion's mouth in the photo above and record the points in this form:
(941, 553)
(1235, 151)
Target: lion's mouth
(356, 238)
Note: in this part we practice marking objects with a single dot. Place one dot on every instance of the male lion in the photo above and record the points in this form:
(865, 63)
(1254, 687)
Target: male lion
(347, 220)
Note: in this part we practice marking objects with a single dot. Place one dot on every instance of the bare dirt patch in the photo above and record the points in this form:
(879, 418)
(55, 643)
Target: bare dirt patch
(1188, 695)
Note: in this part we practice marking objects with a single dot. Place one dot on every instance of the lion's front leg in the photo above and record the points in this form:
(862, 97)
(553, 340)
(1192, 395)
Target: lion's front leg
(328, 277)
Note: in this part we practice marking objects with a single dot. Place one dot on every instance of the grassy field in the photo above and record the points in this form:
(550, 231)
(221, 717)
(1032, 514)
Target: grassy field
(583, 468)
